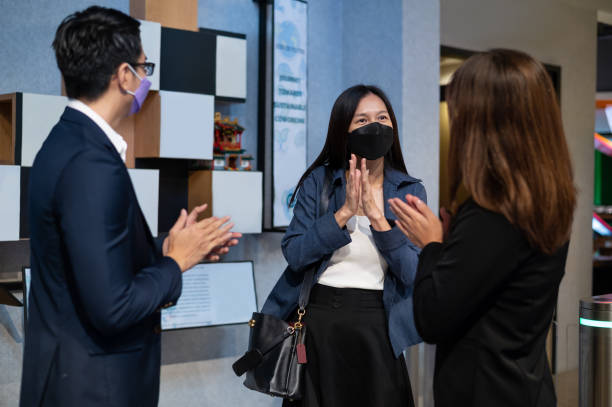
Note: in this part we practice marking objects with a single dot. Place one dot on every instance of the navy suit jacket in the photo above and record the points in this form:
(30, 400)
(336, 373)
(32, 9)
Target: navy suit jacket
(98, 278)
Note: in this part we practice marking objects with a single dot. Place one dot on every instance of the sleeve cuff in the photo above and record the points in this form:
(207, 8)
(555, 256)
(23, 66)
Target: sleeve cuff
(329, 232)
(176, 278)
(390, 239)
(427, 259)
(430, 250)
(159, 242)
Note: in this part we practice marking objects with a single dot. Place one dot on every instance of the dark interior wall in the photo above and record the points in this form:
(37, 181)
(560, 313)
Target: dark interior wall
(604, 57)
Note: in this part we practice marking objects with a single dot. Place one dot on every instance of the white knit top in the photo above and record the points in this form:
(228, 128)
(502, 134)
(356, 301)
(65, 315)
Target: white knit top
(358, 264)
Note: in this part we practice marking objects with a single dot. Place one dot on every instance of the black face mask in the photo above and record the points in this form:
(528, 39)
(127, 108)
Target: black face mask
(371, 141)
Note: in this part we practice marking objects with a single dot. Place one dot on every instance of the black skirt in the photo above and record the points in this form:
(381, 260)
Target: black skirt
(350, 359)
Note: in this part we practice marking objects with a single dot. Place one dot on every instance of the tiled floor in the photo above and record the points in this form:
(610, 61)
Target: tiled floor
(567, 388)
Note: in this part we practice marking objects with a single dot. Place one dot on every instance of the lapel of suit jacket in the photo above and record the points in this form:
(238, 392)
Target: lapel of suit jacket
(97, 136)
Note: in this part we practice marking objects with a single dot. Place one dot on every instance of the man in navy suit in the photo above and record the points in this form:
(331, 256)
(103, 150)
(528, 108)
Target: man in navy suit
(99, 278)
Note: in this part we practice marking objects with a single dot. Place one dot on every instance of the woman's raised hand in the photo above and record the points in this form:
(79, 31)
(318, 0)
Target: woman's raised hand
(370, 209)
(353, 194)
(417, 221)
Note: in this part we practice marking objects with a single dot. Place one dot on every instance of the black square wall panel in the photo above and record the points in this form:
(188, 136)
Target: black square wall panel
(188, 61)
(173, 188)
(24, 214)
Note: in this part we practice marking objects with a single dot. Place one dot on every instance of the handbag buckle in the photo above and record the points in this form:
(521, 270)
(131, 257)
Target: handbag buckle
(298, 325)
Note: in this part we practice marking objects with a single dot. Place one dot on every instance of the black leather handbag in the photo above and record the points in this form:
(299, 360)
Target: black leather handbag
(274, 362)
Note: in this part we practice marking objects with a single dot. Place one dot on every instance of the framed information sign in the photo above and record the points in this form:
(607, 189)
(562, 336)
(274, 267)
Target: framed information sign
(289, 108)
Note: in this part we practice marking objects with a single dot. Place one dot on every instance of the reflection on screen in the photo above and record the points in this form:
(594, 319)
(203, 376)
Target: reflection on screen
(600, 226)
(27, 277)
(213, 294)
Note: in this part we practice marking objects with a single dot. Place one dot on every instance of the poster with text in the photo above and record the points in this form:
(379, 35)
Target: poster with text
(290, 101)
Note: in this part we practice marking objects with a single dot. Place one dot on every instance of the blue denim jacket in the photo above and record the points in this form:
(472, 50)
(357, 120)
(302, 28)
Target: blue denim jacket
(312, 237)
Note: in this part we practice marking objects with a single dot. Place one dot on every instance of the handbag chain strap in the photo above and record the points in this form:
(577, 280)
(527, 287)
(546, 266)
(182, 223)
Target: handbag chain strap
(309, 274)
(253, 357)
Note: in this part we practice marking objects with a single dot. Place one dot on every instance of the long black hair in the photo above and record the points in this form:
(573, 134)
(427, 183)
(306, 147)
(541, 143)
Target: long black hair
(335, 152)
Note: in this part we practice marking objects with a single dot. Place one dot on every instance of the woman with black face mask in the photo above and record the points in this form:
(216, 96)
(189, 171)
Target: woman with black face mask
(359, 319)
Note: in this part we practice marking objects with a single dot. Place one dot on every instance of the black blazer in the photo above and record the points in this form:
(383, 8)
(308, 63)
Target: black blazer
(98, 277)
(486, 298)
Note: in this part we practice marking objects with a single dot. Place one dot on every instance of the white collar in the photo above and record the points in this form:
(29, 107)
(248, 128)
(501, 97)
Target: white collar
(114, 137)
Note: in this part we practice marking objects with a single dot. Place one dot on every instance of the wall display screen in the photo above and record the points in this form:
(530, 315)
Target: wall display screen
(289, 104)
(213, 294)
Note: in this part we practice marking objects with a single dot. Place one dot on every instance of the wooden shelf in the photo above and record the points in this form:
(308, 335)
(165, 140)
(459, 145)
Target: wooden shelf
(8, 129)
(182, 14)
(126, 130)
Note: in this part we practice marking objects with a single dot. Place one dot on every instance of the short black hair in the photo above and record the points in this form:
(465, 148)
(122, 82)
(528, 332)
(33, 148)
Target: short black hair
(89, 47)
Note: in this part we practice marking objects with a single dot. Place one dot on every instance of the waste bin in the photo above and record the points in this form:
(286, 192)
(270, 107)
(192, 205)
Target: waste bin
(596, 351)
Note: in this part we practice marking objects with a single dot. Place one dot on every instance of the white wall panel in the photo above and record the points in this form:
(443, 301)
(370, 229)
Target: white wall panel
(187, 125)
(231, 76)
(239, 195)
(146, 185)
(10, 178)
(40, 113)
(150, 35)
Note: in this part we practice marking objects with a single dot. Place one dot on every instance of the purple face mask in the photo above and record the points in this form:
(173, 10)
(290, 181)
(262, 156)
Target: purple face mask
(140, 94)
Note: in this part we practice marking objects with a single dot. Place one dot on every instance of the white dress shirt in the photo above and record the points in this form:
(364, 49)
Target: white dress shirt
(114, 137)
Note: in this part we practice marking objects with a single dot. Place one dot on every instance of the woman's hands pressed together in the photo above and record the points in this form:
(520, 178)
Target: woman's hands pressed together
(353, 194)
(360, 195)
(417, 221)
(368, 201)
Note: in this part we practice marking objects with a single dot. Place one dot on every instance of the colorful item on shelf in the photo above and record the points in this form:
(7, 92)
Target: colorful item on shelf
(228, 145)
(232, 162)
(603, 144)
(228, 135)
(246, 163)
(218, 162)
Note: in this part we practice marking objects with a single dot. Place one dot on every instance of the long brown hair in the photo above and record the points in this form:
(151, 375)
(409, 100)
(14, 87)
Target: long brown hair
(508, 147)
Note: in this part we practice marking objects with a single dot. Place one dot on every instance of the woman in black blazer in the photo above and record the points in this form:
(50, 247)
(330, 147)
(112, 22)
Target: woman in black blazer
(485, 293)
